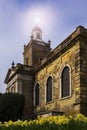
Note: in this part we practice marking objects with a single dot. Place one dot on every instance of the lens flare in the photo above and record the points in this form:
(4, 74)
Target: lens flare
(37, 21)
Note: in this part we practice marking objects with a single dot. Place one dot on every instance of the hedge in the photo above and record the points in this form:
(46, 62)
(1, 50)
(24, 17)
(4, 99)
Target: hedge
(11, 106)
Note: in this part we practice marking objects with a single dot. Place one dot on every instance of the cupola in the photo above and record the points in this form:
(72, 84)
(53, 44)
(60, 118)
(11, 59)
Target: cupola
(37, 33)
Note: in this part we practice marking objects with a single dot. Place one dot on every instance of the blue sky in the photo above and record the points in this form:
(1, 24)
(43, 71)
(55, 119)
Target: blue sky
(57, 18)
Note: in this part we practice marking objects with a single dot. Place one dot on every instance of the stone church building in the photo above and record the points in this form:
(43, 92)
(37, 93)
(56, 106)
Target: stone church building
(54, 82)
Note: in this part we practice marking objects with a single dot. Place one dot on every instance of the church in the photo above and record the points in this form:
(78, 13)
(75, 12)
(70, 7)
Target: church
(53, 82)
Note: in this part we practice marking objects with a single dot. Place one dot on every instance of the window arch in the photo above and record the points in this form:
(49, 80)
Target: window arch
(65, 82)
(49, 89)
(36, 95)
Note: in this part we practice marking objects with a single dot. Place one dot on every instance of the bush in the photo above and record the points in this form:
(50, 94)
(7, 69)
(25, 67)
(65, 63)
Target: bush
(11, 106)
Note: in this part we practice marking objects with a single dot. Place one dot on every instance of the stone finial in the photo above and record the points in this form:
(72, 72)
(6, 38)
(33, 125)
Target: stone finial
(13, 64)
(31, 37)
(49, 41)
(24, 46)
(80, 28)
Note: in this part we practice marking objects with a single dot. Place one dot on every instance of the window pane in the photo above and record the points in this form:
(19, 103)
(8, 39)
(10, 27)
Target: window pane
(49, 89)
(65, 82)
(37, 94)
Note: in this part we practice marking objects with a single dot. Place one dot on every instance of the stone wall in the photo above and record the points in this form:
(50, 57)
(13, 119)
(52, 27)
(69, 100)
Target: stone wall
(35, 51)
(39, 51)
(68, 105)
(27, 91)
(28, 55)
(83, 76)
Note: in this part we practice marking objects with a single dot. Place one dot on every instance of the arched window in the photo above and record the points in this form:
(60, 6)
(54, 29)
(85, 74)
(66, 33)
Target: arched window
(65, 82)
(49, 89)
(36, 94)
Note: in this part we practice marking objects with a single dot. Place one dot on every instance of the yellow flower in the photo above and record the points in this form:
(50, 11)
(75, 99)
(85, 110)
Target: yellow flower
(81, 117)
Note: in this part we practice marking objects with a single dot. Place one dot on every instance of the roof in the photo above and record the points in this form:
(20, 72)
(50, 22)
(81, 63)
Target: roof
(37, 28)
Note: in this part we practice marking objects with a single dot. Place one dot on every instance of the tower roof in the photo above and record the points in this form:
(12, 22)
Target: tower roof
(37, 28)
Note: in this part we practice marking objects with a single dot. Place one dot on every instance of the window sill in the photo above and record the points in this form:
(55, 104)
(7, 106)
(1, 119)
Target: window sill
(67, 97)
(49, 102)
(37, 106)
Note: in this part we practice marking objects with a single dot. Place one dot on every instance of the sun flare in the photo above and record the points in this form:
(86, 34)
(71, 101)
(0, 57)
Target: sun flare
(37, 20)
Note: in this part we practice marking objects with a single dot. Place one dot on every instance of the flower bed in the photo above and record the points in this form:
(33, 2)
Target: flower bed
(48, 123)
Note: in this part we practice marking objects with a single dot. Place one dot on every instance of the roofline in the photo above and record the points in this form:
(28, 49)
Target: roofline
(60, 48)
(18, 69)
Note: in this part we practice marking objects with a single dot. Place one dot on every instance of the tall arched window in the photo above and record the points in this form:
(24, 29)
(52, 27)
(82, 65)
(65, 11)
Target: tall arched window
(36, 94)
(65, 82)
(49, 89)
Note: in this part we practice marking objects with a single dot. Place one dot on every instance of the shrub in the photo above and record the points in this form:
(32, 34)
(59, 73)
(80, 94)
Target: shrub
(11, 106)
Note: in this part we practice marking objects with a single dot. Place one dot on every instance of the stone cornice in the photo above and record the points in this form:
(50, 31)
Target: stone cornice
(18, 69)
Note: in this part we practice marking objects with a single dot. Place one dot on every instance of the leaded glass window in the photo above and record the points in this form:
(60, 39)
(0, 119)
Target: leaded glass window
(65, 82)
(37, 94)
(49, 89)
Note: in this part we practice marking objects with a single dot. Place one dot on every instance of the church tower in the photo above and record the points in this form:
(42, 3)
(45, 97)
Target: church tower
(20, 78)
(36, 49)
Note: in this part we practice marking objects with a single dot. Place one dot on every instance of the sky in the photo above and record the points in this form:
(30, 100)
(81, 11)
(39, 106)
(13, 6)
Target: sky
(56, 18)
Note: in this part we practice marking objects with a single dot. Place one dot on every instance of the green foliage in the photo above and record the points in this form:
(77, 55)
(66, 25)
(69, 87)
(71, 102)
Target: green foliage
(48, 123)
(11, 106)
